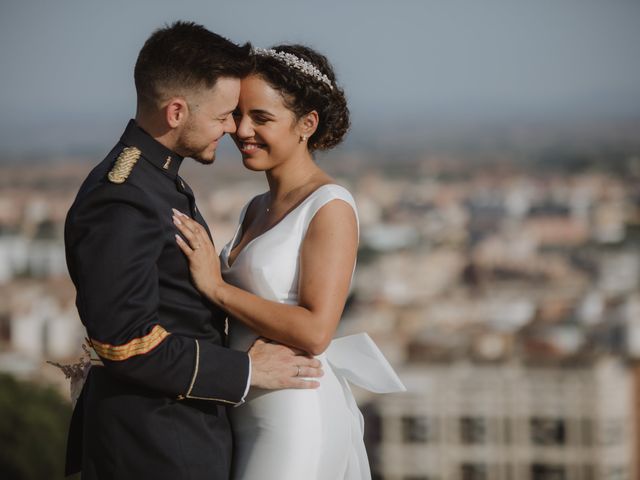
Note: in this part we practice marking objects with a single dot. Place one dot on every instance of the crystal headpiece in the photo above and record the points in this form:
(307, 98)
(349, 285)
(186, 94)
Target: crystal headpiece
(292, 61)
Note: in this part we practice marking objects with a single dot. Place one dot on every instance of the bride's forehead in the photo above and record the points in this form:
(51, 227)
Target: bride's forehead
(256, 89)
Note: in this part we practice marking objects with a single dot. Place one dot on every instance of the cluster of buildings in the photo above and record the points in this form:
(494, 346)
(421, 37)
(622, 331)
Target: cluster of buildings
(510, 305)
(507, 299)
(38, 319)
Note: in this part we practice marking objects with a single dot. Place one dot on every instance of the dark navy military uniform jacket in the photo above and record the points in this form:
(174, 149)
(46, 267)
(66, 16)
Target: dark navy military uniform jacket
(156, 408)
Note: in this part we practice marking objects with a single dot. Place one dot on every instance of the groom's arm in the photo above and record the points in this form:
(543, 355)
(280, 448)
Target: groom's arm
(114, 239)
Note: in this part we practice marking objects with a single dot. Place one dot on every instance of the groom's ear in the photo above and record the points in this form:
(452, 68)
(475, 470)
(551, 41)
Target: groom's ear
(176, 112)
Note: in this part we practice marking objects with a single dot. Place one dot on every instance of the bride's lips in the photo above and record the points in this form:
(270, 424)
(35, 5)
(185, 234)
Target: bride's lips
(250, 147)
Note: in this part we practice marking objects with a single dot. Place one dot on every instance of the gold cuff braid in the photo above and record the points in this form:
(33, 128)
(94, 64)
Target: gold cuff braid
(137, 346)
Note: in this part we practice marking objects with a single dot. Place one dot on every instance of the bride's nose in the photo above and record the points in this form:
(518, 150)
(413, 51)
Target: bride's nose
(244, 127)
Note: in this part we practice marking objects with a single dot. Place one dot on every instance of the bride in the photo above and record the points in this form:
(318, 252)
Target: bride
(286, 273)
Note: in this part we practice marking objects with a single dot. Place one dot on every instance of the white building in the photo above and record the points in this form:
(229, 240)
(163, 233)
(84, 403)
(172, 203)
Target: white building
(510, 421)
(20, 255)
(44, 328)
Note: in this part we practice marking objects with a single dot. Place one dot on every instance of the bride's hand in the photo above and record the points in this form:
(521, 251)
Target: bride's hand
(204, 263)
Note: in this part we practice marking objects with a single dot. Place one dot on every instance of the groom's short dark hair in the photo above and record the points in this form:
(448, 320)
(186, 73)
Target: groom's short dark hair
(186, 56)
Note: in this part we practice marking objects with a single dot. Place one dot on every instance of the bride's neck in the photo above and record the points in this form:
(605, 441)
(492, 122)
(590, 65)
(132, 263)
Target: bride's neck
(290, 176)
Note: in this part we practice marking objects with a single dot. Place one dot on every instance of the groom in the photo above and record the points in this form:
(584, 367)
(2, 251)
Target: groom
(154, 403)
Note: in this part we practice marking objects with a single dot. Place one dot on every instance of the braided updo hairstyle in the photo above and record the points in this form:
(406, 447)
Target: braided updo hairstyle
(303, 93)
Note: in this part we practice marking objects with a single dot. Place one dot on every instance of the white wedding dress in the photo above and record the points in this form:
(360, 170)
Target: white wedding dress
(300, 434)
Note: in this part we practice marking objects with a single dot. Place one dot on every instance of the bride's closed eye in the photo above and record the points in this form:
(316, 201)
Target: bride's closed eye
(260, 119)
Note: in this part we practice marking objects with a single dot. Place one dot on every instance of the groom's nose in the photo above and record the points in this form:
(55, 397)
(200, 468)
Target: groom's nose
(229, 125)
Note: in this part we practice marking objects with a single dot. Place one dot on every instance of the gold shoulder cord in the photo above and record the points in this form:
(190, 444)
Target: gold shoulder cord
(124, 164)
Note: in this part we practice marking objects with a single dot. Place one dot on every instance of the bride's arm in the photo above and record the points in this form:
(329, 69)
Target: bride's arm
(326, 264)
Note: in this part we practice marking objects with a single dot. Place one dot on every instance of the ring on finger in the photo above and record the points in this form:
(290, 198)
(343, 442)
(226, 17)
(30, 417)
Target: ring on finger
(298, 372)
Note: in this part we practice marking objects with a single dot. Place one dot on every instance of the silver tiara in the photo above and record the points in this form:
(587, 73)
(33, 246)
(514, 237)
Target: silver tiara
(292, 61)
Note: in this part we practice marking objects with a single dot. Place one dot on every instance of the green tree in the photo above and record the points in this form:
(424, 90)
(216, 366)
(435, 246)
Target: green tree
(33, 431)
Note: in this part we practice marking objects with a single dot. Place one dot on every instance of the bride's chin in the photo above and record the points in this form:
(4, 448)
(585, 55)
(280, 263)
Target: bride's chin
(252, 165)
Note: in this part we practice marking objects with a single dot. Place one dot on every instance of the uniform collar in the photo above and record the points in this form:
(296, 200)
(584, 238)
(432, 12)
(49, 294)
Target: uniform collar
(166, 160)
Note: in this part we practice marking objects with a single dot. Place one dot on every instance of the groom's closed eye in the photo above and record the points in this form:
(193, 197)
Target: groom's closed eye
(225, 115)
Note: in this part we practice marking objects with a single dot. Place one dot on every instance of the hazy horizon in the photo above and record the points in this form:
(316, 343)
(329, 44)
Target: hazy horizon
(67, 66)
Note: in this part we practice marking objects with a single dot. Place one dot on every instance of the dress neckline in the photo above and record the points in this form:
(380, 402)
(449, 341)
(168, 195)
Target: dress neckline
(285, 216)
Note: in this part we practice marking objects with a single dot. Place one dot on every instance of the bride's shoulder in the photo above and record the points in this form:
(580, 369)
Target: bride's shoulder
(326, 200)
(333, 191)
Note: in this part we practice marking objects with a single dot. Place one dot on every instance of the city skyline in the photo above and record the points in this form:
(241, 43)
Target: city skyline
(507, 299)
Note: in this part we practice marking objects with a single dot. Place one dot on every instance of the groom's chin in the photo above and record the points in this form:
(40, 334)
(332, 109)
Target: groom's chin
(205, 160)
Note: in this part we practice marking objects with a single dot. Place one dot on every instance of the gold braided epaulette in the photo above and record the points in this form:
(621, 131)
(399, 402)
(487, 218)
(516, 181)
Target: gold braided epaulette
(124, 164)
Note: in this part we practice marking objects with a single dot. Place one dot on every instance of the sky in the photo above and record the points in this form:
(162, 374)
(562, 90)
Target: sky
(67, 65)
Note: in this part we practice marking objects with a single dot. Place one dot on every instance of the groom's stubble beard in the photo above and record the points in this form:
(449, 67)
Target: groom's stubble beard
(188, 146)
(203, 161)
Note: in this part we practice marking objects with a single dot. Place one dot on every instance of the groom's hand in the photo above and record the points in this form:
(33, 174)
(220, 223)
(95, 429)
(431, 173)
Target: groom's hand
(275, 366)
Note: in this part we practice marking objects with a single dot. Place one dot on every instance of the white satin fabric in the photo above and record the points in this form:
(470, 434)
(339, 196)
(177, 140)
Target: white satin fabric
(300, 434)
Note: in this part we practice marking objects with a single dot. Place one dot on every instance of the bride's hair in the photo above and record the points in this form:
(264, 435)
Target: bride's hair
(304, 92)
